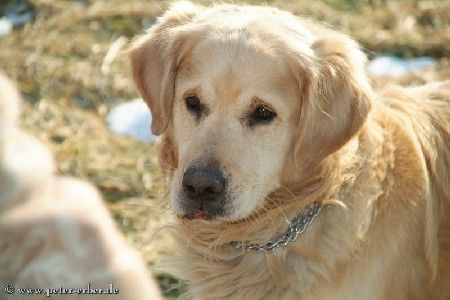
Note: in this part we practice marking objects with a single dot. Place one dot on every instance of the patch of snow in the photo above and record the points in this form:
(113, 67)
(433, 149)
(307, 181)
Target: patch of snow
(389, 65)
(6, 27)
(19, 19)
(131, 118)
(15, 15)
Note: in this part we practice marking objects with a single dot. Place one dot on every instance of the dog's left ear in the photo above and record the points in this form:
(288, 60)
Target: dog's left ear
(155, 58)
(336, 98)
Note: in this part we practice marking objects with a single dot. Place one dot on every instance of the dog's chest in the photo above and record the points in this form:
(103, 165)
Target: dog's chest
(285, 277)
(253, 276)
(280, 276)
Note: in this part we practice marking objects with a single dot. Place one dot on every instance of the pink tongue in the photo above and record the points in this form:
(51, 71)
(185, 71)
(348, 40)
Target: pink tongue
(200, 214)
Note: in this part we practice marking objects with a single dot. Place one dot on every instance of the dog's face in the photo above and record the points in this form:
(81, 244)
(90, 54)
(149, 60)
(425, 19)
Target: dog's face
(235, 110)
(247, 109)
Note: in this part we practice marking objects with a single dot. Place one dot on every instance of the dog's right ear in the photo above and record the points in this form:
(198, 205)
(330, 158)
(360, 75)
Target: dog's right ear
(336, 97)
(155, 58)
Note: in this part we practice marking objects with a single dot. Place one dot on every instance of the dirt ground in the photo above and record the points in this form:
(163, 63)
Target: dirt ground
(69, 84)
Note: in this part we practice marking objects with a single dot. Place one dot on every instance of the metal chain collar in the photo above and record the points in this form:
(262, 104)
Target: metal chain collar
(296, 227)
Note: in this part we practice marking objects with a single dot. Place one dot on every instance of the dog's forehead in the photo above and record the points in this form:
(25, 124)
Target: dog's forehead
(259, 18)
(235, 62)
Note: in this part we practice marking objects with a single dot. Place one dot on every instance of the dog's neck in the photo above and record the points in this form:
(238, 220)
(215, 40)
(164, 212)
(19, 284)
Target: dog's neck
(296, 227)
(216, 239)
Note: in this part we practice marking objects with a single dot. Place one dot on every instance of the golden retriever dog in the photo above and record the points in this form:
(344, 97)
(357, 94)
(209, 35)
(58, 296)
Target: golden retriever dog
(292, 178)
(55, 232)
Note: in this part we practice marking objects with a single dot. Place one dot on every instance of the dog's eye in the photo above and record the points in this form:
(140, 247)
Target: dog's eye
(193, 104)
(262, 115)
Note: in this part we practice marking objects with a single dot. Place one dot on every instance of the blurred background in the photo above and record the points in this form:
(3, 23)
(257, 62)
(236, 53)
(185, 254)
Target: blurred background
(67, 58)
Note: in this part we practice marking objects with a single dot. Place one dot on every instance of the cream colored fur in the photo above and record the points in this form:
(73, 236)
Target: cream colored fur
(378, 160)
(54, 231)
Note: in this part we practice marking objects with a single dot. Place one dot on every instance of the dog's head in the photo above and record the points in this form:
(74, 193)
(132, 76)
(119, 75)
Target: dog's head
(250, 97)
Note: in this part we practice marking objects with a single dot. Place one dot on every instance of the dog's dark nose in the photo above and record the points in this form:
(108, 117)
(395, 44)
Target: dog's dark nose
(204, 183)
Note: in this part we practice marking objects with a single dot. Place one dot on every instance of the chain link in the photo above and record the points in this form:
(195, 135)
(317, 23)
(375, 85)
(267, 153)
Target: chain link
(296, 227)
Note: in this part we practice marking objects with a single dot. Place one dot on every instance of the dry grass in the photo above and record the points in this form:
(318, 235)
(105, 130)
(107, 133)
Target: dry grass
(57, 60)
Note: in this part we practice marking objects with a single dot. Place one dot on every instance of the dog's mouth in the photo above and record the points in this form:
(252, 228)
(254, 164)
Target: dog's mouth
(201, 211)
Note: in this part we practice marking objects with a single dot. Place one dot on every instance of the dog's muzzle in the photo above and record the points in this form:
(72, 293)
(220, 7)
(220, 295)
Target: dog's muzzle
(204, 191)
